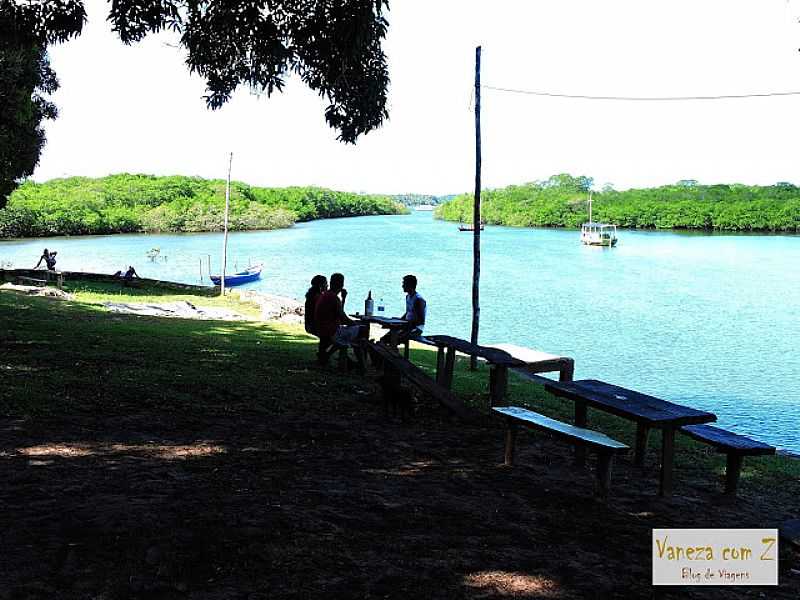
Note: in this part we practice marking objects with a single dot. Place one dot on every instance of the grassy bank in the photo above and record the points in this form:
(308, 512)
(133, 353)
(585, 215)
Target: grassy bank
(214, 459)
(49, 331)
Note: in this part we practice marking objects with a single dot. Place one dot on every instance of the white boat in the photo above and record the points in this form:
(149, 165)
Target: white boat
(598, 234)
(425, 207)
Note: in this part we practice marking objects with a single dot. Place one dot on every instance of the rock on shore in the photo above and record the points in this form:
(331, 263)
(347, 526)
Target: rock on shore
(275, 308)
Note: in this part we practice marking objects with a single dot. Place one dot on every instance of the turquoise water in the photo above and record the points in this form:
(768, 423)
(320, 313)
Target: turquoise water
(712, 321)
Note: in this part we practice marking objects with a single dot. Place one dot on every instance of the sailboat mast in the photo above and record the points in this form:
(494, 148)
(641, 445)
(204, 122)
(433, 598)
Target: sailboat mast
(590, 206)
(225, 236)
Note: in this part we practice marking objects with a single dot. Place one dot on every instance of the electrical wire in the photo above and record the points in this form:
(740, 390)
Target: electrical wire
(639, 98)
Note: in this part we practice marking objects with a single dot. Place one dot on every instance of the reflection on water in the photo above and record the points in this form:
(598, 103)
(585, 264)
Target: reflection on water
(706, 320)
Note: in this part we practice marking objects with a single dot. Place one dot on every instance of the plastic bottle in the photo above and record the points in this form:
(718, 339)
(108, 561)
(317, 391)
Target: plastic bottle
(368, 304)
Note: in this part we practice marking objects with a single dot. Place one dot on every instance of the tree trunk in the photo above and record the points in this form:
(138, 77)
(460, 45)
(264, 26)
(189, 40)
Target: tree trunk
(476, 213)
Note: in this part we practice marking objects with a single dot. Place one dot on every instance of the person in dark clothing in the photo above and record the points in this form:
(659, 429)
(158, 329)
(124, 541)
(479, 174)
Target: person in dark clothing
(319, 284)
(333, 325)
(130, 274)
(49, 259)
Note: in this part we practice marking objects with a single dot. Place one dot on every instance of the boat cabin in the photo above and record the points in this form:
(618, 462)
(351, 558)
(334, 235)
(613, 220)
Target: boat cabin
(598, 234)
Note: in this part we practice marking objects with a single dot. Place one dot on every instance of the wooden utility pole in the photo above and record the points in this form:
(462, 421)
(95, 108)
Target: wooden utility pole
(476, 213)
(225, 236)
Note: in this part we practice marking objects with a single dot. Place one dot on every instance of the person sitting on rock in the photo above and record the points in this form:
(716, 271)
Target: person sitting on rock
(49, 259)
(130, 274)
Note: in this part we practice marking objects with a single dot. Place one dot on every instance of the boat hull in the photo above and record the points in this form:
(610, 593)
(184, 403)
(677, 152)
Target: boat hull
(246, 276)
(605, 243)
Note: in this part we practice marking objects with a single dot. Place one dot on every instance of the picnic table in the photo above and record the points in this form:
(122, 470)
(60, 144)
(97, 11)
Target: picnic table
(499, 360)
(395, 326)
(647, 411)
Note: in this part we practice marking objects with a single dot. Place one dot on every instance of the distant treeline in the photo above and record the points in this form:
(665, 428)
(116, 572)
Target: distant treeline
(127, 203)
(419, 199)
(562, 201)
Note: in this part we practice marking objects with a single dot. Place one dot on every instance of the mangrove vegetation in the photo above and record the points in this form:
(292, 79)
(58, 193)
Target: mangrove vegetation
(562, 201)
(127, 203)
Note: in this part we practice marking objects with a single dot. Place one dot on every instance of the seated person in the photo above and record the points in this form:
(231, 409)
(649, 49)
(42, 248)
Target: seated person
(49, 259)
(128, 276)
(332, 324)
(319, 284)
(416, 309)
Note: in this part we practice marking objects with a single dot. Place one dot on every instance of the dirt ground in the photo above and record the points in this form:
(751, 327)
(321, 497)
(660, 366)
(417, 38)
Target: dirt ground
(333, 500)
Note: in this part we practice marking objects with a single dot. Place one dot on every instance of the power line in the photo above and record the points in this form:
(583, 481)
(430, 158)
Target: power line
(638, 98)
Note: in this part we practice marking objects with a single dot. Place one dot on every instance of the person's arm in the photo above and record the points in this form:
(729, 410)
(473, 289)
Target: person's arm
(343, 318)
(41, 258)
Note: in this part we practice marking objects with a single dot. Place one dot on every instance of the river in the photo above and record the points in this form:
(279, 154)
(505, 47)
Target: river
(712, 321)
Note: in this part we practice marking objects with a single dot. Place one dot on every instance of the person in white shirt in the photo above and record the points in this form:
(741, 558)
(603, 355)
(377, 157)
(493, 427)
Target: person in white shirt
(416, 309)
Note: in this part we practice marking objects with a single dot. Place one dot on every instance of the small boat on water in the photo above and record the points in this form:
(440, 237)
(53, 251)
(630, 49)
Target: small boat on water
(598, 234)
(425, 207)
(469, 227)
(246, 276)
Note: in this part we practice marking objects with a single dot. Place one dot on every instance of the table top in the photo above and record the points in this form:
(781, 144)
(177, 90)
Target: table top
(629, 403)
(526, 355)
(388, 322)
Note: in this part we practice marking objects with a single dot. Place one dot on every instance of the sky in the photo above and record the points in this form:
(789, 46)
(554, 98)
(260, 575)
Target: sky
(136, 109)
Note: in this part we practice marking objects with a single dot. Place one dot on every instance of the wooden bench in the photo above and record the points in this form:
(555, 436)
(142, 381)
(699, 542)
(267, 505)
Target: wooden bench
(646, 411)
(734, 445)
(396, 368)
(604, 446)
(327, 348)
(31, 281)
(537, 361)
(59, 276)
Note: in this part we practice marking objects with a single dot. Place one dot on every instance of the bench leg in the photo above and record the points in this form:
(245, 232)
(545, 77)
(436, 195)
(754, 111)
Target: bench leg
(449, 366)
(406, 349)
(392, 389)
(603, 474)
(581, 418)
(439, 365)
(567, 371)
(732, 471)
(343, 360)
(667, 460)
(642, 431)
(498, 384)
(511, 439)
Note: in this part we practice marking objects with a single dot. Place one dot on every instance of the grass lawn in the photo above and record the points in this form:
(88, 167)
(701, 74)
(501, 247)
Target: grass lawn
(164, 458)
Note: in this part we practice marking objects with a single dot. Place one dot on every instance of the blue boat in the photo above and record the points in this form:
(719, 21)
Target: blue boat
(246, 276)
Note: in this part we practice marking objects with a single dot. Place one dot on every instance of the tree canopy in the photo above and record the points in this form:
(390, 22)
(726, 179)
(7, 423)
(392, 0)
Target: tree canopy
(25, 81)
(333, 46)
(562, 201)
(127, 203)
